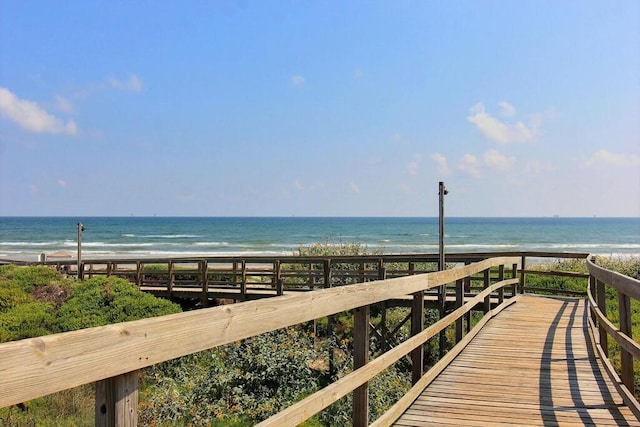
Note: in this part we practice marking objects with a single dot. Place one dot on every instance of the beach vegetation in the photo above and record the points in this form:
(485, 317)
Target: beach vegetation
(104, 300)
(37, 301)
(240, 383)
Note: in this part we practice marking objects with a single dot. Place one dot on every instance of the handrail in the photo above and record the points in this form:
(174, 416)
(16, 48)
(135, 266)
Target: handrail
(626, 288)
(241, 278)
(39, 366)
(316, 402)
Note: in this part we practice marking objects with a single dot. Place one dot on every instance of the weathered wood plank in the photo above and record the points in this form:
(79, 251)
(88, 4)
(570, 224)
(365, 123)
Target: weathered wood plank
(531, 365)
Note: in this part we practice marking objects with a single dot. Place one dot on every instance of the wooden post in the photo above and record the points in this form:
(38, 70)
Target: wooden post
(592, 288)
(417, 326)
(139, 267)
(602, 305)
(330, 319)
(80, 267)
(487, 283)
(311, 279)
(514, 274)
(523, 279)
(361, 358)
(204, 277)
(117, 401)
(626, 359)
(327, 273)
(459, 303)
(235, 273)
(170, 279)
(500, 279)
(243, 283)
(467, 289)
(278, 282)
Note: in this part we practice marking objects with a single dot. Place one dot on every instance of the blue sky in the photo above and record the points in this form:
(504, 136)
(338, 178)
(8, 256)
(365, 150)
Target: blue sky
(320, 108)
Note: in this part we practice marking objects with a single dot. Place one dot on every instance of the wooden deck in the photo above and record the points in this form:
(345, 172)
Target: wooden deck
(534, 364)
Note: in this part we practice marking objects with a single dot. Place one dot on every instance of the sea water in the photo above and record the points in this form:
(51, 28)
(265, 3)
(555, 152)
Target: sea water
(25, 238)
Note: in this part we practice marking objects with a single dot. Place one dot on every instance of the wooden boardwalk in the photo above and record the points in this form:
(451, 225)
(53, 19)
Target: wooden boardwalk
(534, 364)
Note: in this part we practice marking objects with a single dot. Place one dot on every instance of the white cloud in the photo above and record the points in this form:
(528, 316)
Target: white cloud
(441, 163)
(31, 117)
(413, 165)
(298, 186)
(538, 167)
(497, 130)
(298, 81)
(354, 188)
(412, 168)
(470, 164)
(63, 105)
(132, 84)
(606, 158)
(62, 183)
(496, 160)
(508, 110)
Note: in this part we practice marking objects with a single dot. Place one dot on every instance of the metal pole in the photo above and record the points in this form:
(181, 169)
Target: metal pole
(442, 290)
(80, 230)
(442, 191)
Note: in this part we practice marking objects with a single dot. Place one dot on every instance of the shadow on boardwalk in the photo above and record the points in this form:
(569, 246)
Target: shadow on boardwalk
(534, 364)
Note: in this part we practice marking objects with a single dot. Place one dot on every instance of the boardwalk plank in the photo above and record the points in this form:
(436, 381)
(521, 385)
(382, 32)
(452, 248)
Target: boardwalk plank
(531, 365)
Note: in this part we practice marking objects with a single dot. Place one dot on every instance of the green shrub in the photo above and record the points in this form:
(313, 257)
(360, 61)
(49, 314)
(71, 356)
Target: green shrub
(29, 277)
(32, 319)
(241, 383)
(104, 300)
(11, 295)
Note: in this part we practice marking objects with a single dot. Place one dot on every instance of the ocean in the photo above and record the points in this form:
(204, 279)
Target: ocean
(25, 238)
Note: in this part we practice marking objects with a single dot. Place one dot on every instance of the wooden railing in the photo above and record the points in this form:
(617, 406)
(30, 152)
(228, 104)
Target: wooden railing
(112, 355)
(244, 278)
(626, 289)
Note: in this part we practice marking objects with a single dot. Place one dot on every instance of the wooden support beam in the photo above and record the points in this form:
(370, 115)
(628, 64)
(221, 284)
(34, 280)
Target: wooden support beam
(626, 359)
(203, 268)
(601, 299)
(487, 283)
(116, 401)
(361, 358)
(459, 303)
(417, 326)
(243, 283)
(500, 279)
(523, 278)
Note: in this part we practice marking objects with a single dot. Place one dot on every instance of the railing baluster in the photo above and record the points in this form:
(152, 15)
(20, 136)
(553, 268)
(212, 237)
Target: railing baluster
(459, 303)
(116, 402)
(417, 326)
(487, 283)
(626, 359)
(361, 358)
(523, 278)
(500, 279)
(602, 305)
